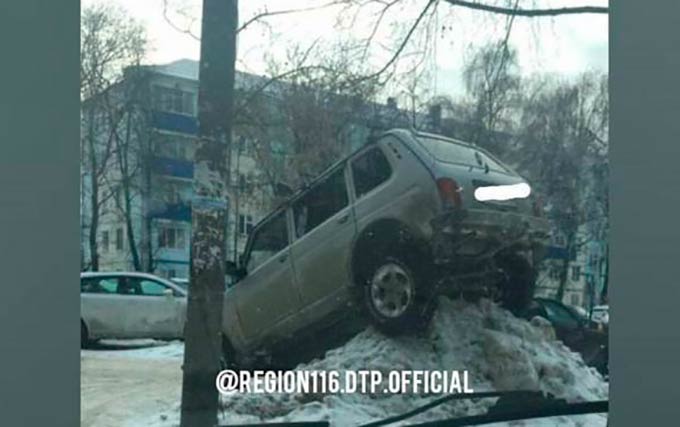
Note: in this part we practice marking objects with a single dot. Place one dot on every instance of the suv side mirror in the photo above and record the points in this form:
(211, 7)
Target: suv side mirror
(168, 293)
(233, 270)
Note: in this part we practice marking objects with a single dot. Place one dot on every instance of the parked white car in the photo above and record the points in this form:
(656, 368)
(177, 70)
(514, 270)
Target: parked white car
(130, 305)
(601, 314)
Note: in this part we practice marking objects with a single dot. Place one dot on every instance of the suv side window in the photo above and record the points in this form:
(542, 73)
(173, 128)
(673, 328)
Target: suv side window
(370, 170)
(321, 202)
(268, 240)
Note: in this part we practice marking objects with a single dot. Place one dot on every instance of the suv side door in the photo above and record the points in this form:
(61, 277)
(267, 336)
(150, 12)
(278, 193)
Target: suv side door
(324, 230)
(266, 299)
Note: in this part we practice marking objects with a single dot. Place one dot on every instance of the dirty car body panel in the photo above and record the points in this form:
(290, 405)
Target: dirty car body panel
(131, 305)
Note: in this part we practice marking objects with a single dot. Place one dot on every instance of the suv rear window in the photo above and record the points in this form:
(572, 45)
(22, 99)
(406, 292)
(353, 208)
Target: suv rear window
(493, 164)
(452, 152)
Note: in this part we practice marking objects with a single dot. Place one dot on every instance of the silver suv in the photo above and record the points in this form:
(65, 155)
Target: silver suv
(382, 233)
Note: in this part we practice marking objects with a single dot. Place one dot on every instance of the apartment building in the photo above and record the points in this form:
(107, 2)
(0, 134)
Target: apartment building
(586, 270)
(161, 186)
(148, 227)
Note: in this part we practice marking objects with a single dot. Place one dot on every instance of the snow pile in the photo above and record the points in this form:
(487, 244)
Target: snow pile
(139, 349)
(499, 351)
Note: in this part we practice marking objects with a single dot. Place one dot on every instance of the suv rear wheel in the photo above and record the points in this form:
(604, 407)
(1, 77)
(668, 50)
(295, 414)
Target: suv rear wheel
(396, 295)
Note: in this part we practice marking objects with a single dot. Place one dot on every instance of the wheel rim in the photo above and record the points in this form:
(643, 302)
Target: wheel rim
(391, 290)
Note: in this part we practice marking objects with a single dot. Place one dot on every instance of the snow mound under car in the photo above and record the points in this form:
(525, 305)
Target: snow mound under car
(500, 352)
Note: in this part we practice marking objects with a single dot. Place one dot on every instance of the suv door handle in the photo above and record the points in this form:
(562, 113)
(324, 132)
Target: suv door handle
(343, 219)
(283, 258)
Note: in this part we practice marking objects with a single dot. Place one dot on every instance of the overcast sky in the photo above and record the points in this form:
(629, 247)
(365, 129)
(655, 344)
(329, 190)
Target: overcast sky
(564, 45)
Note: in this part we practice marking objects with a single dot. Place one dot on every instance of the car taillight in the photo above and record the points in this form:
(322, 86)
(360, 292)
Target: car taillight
(450, 193)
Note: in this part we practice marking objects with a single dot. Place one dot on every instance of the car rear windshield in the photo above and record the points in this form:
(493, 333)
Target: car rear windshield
(452, 152)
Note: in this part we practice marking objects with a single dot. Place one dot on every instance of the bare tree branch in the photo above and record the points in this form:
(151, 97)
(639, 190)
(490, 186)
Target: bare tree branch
(176, 27)
(267, 13)
(529, 13)
(401, 47)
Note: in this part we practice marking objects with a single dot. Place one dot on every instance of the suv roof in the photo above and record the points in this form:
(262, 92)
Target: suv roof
(397, 132)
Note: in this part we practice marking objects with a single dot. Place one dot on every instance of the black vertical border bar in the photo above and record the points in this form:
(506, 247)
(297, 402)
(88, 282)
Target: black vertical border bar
(39, 262)
(645, 213)
(39, 113)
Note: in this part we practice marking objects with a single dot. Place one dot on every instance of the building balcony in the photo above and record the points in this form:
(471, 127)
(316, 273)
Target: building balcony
(172, 211)
(172, 167)
(174, 122)
(556, 252)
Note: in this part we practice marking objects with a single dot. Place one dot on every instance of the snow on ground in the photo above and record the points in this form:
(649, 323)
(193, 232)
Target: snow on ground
(140, 348)
(126, 380)
(500, 352)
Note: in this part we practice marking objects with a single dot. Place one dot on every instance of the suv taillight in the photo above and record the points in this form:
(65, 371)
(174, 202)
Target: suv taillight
(450, 193)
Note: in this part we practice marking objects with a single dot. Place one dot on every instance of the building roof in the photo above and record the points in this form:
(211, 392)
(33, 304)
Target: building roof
(189, 69)
(185, 68)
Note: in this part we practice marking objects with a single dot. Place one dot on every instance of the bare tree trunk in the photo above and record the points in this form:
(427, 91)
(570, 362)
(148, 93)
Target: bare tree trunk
(129, 226)
(94, 193)
(237, 199)
(123, 163)
(564, 273)
(203, 337)
(146, 208)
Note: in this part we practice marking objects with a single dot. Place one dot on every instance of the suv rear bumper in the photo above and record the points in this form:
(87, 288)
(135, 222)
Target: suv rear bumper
(479, 233)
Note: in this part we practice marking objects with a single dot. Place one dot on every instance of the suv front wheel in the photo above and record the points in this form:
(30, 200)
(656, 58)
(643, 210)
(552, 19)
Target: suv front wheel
(396, 296)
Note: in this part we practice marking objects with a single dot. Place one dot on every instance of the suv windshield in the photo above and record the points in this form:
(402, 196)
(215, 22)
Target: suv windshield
(453, 152)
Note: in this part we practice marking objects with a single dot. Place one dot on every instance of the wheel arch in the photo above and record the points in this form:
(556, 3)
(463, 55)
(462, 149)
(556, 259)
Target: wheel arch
(84, 325)
(379, 237)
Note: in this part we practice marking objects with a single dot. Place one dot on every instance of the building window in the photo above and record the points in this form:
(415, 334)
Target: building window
(173, 100)
(575, 273)
(171, 237)
(575, 300)
(554, 273)
(174, 147)
(105, 241)
(245, 224)
(173, 193)
(119, 239)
